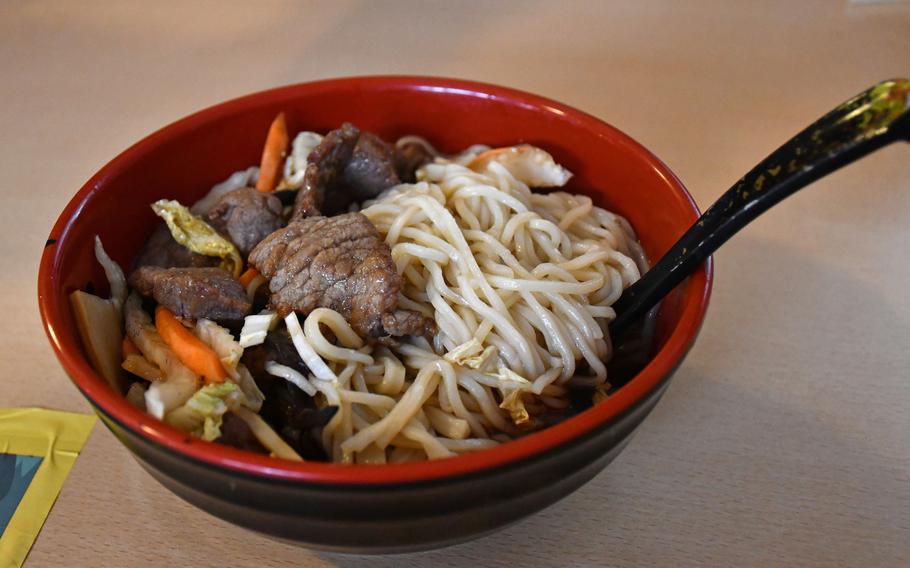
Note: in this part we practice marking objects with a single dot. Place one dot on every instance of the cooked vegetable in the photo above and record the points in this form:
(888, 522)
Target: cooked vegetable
(222, 343)
(256, 327)
(114, 274)
(266, 436)
(138, 365)
(128, 347)
(253, 397)
(254, 285)
(98, 321)
(193, 352)
(460, 353)
(135, 395)
(202, 413)
(179, 382)
(248, 276)
(513, 386)
(482, 361)
(251, 280)
(99, 327)
(276, 145)
(229, 352)
(197, 235)
(514, 403)
(472, 354)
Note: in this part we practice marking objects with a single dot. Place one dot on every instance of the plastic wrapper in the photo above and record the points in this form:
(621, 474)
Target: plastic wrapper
(37, 450)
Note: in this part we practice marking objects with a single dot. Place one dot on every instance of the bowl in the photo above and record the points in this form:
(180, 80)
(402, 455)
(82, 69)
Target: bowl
(359, 508)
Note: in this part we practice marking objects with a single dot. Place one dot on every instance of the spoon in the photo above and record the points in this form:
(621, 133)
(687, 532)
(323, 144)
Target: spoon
(871, 120)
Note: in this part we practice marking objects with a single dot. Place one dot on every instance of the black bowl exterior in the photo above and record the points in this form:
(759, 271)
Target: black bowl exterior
(389, 518)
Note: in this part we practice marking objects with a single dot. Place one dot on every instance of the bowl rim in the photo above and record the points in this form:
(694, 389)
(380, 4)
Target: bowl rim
(106, 401)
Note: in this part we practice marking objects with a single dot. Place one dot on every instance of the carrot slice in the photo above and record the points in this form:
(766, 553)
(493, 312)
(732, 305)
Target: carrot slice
(248, 276)
(129, 348)
(276, 145)
(192, 352)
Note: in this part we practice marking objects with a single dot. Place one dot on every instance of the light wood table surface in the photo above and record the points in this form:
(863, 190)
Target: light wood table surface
(784, 440)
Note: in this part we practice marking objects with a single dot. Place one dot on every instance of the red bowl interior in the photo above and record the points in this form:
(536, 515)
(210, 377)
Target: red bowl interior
(183, 160)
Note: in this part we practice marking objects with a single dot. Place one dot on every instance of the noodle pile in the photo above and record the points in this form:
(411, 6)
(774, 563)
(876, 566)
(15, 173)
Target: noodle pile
(520, 285)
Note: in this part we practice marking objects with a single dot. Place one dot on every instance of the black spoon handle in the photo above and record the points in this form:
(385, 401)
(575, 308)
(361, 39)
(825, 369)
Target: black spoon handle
(874, 118)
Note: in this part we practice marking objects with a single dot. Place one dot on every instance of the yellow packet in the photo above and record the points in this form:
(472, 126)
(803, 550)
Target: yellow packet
(37, 450)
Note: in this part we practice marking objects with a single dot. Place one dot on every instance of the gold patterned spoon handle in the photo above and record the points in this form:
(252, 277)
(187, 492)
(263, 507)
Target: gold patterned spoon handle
(875, 118)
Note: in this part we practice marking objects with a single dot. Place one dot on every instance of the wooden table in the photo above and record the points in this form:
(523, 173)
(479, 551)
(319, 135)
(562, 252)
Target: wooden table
(785, 437)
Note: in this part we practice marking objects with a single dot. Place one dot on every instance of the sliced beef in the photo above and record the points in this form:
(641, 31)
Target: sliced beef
(194, 293)
(162, 250)
(408, 157)
(246, 216)
(371, 168)
(334, 262)
(325, 166)
(348, 166)
(406, 322)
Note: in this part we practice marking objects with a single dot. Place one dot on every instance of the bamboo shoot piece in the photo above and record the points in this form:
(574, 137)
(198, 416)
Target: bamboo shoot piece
(98, 321)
